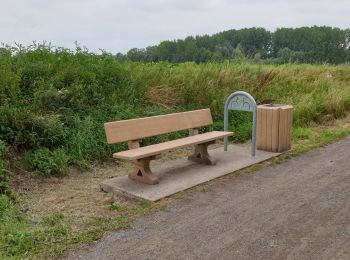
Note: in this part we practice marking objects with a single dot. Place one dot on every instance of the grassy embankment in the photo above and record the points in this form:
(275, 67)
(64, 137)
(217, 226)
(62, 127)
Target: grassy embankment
(53, 105)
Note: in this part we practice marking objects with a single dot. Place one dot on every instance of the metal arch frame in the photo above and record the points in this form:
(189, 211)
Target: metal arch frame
(240, 104)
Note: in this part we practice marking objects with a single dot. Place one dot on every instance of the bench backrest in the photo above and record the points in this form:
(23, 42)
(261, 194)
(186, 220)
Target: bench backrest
(135, 129)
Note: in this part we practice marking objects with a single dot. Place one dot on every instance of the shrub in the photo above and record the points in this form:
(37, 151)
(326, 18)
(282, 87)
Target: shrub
(47, 162)
(6, 207)
(5, 174)
(3, 149)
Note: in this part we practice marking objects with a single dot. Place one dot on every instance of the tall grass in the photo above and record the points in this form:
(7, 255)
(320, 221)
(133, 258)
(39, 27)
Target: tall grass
(54, 102)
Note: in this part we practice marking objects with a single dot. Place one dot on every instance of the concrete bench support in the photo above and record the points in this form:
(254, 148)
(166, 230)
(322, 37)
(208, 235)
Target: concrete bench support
(142, 171)
(201, 154)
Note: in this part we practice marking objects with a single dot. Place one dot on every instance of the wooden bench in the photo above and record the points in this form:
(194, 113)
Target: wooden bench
(135, 129)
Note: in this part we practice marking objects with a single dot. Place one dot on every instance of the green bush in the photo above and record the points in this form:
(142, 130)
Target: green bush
(27, 130)
(5, 174)
(6, 207)
(47, 162)
(3, 149)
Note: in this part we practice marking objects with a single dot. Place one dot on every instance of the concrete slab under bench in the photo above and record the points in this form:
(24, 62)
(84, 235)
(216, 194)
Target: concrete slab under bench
(181, 174)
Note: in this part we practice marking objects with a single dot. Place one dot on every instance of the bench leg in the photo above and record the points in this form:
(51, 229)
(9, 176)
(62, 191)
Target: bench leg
(201, 154)
(143, 173)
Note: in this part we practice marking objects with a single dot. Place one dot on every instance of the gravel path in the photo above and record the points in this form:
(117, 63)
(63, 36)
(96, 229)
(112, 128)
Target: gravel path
(299, 209)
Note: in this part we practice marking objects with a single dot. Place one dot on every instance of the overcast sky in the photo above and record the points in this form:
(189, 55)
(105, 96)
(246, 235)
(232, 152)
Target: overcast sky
(118, 25)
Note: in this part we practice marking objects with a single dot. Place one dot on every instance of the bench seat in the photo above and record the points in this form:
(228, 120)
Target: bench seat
(156, 149)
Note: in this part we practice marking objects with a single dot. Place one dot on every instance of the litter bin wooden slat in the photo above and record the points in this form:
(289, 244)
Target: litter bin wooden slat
(274, 126)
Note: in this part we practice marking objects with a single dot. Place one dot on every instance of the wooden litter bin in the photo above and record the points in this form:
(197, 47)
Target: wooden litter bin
(274, 126)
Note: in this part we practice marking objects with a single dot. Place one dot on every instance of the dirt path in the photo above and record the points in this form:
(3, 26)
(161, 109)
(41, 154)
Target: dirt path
(299, 209)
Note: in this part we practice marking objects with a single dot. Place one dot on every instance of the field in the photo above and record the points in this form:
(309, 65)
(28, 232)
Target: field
(54, 103)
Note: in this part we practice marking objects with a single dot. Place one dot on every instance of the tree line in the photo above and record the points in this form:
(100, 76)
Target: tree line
(317, 44)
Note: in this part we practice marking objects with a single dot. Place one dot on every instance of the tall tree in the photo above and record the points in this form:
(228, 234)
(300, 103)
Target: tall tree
(305, 44)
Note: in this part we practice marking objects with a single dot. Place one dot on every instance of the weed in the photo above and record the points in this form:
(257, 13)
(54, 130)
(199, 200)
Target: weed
(118, 207)
(300, 133)
(5, 174)
(47, 162)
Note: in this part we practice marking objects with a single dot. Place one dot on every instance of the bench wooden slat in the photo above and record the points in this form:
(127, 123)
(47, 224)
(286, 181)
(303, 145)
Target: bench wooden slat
(155, 149)
(139, 128)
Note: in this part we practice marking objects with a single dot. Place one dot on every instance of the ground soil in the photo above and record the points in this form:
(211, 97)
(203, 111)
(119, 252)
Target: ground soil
(77, 195)
(295, 210)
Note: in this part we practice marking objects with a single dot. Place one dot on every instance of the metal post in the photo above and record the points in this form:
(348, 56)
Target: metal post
(225, 125)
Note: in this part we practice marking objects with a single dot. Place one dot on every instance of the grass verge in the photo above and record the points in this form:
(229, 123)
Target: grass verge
(54, 233)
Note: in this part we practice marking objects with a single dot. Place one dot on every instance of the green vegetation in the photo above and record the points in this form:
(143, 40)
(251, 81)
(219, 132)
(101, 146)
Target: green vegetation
(53, 103)
(298, 45)
(4, 171)
(53, 235)
(18, 237)
(300, 133)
